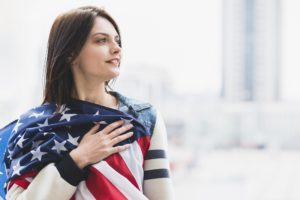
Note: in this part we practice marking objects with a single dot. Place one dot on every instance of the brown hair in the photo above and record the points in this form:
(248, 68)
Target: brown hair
(68, 34)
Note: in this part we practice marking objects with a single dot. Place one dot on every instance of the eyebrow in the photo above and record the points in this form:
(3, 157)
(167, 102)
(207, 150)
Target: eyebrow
(103, 34)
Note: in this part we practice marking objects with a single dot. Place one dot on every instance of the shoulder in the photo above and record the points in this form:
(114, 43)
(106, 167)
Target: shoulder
(31, 115)
(151, 117)
(143, 111)
(38, 112)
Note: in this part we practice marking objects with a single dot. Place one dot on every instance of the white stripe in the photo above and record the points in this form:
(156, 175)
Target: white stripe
(29, 179)
(13, 191)
(133, 158)
(120, 182)
(83, 193)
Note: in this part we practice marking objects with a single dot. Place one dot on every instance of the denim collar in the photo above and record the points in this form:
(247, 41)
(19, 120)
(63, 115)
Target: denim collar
(132, 104)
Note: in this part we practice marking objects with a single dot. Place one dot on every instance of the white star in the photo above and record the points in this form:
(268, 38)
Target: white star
(20, 141)
(36, 144)
(97, 113)
(101, 122)
(46, 133)
(73, 140)
(59, 146)
(9, 154)
(37, 154)
(46, 123)
(17, 168)
(43, 124)
(126, 121)
(63, 109)
(36, 115)
(17, 126)
(66, 116)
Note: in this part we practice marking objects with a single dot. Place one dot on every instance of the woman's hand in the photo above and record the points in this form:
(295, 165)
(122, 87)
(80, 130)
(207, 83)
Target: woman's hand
(96, 146)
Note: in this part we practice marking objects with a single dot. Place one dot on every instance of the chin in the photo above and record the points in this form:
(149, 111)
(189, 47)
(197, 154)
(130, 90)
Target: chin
(114, 75)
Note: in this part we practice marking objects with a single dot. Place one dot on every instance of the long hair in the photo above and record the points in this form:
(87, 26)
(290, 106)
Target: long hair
(67, 36)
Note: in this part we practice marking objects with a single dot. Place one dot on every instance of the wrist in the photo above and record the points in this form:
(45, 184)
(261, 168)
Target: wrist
(70, 172)
(78, 159)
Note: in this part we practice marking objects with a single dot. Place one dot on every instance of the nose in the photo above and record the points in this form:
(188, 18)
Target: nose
(115, 48)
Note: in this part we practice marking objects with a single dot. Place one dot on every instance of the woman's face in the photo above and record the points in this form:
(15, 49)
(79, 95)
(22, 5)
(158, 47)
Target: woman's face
(101, 54)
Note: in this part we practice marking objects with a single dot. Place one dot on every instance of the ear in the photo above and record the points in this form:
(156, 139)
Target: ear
(70, 59)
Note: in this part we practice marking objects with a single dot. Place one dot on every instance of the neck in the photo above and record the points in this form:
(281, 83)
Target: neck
(94, 94)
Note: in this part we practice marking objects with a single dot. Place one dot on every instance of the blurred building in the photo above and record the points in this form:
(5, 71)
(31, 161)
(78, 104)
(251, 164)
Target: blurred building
(206, 122)
(251, 45)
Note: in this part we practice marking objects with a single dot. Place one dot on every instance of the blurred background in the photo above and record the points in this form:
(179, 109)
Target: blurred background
(223, 73)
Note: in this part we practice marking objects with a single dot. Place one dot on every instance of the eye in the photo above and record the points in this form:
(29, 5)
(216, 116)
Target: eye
(101, 40)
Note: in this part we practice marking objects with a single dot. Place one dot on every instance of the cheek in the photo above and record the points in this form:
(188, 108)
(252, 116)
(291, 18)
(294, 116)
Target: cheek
(93, 56)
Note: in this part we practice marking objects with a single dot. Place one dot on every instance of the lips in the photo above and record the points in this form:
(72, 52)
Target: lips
(114, 61)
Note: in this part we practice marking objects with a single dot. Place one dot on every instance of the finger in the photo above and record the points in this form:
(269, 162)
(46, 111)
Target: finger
(120, 138)
(94, 129)
(118, 149)
(112, 126)
(119, 131)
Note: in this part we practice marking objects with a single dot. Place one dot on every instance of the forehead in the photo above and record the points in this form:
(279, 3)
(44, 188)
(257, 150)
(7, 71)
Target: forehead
(103, 25)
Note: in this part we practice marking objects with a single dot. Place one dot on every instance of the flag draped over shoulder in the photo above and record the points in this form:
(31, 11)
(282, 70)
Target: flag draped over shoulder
(41, 136)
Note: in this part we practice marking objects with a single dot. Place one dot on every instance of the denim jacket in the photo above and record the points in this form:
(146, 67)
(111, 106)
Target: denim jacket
(142, 111)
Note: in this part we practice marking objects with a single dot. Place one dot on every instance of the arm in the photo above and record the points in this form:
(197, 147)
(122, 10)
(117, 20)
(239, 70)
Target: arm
(54, 181)
(157, 183)
(60, 181)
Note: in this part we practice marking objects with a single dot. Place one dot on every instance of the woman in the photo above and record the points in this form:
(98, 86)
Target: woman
(86, 141)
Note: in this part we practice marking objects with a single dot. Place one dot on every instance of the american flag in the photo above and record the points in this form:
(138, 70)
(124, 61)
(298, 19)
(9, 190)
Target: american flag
(41, 136)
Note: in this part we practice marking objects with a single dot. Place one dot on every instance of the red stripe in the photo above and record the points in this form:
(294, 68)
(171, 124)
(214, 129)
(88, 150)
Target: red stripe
(21, 181)
(144, 143)
(117, 163)
(101, 187)
(73, 197)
